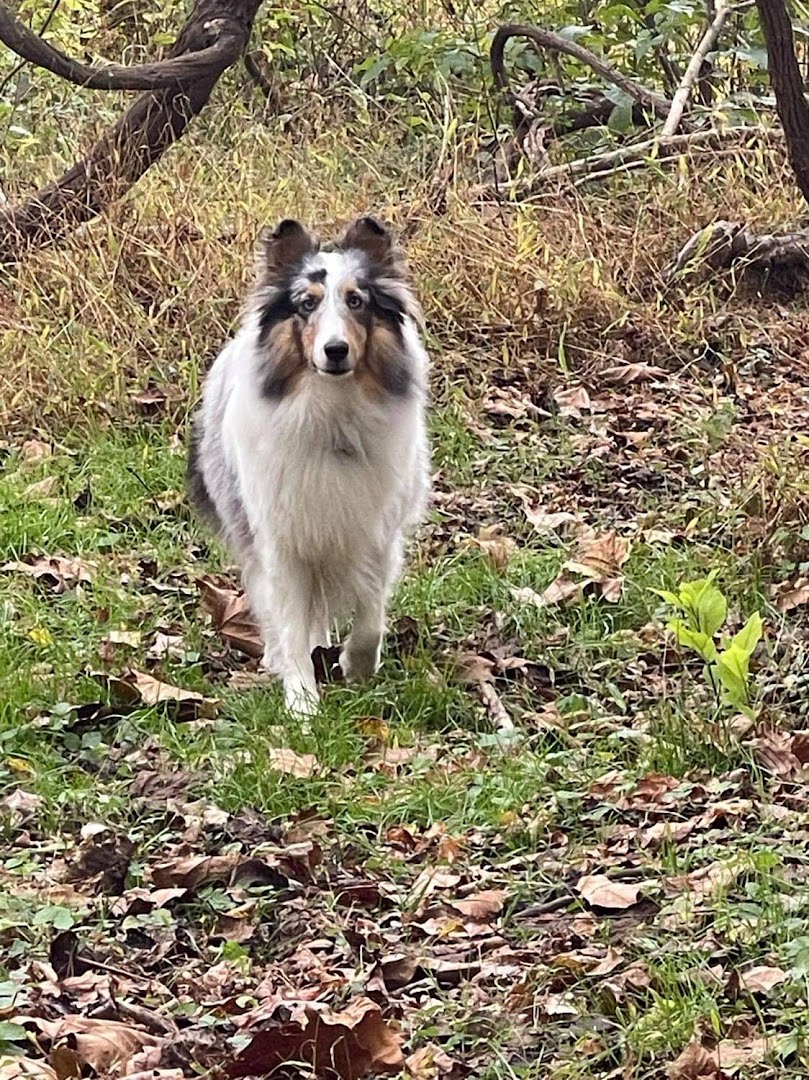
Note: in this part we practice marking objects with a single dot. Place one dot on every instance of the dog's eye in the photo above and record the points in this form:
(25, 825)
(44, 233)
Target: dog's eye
(354, 300)
(308, 304)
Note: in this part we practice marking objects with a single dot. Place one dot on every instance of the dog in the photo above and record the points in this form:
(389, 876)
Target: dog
(309, 453)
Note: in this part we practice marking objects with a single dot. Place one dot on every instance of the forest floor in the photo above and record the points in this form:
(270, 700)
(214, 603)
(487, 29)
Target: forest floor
(537, 844)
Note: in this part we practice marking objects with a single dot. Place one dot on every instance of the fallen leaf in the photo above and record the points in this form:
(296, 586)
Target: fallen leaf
(791, 594)
(499, 548)
(694, 1063)
(501, 720)
(600, 891)
(733, 1054)
(42, 489)
(130, 638)
(14, 1068)
(563, 588)
(783, 753)
(59, 572)
(34, 450)
(480, 906)
(623, 374)
(284, 760)
(104, 1045)
(190, 871)
(139, 688)
(22, 802)
(600, 557)
(231, 617)
(572, 402)
(353, 1043)
(761, 980)
(429, 1062)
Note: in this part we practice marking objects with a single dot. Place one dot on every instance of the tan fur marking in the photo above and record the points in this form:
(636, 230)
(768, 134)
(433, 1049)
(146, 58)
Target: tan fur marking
(287, 361)
(382, 350)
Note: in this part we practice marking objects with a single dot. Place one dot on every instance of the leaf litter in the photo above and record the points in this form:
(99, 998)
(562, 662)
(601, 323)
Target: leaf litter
(203, 940)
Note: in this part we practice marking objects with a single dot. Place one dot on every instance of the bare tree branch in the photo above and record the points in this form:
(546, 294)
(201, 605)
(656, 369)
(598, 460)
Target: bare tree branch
(556, 43)
(122, 155)
(647, 153)
(225, 42)
(672, 121)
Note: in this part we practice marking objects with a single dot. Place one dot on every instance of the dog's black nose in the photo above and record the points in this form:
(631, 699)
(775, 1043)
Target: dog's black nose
(336, 356)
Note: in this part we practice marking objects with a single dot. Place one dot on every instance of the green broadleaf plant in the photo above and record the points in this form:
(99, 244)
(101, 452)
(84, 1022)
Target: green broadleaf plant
(702, 611)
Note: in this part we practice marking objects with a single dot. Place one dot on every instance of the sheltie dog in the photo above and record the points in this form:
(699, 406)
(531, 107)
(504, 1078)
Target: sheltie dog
(309, 453)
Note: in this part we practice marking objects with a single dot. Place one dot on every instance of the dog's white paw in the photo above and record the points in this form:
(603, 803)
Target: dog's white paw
(300, 698)
(359, 664)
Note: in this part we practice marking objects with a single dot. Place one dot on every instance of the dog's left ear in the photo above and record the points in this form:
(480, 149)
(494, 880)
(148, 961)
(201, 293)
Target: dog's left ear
(374, 239)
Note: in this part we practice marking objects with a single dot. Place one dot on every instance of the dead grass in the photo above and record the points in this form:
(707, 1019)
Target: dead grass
(569, 280)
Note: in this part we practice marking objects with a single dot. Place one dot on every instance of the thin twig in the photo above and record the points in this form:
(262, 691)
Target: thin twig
(683, 93)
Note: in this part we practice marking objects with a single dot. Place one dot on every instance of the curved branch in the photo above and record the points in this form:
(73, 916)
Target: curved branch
(546, 39)
(123, 154)
(223, 46)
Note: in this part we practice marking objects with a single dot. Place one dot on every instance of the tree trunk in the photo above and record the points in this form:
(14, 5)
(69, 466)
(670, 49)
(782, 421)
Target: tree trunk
(124, 153)
(787, 84)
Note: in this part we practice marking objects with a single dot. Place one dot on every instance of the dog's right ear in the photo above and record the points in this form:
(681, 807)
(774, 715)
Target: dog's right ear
(283, 247)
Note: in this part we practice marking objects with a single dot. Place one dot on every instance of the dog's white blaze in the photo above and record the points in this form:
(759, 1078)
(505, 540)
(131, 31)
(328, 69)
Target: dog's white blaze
(332, 314)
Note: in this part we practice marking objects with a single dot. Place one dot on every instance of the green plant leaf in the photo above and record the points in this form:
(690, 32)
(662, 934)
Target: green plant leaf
(694, 639)
(749, 635)
(731, 667)
(669, 597)
(706, 603)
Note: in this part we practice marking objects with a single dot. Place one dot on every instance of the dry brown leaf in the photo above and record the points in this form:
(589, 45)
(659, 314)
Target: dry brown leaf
(105, 1045)
(600, 891)
(572, 402)
(284, 760)
(57, 571)
(480, 906)
(600, 556)
(560, 590)
(499, 548)
(231, 617)
(353, 1043)
(472, 668)
(34, 450)
(190, 871)
(623, 374)
(761, 980)
(733, 1054)
(500, 717)
(429, 1062)
(139, 688)
(16, 1068)
(694, 1063)
(22, 802)
(546, 522)
(783, 753)
(42, 489)
(791, 594)
(130, 638)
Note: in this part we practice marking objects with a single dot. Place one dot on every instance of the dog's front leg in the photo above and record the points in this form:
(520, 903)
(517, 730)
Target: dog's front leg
(362, 653)
(295, 608)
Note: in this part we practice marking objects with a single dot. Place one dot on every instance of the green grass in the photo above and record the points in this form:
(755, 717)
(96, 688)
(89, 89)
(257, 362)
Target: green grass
(506, 797)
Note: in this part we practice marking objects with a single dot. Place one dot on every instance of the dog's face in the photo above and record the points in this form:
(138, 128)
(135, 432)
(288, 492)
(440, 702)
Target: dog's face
(337, 311)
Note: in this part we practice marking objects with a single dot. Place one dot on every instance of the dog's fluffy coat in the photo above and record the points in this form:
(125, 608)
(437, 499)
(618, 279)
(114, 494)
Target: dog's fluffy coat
(309, 453)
